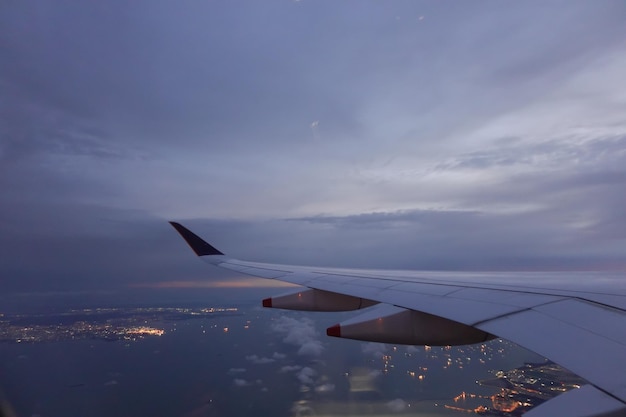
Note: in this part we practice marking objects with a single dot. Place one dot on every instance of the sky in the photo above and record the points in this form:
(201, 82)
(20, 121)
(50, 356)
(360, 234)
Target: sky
(398, 134)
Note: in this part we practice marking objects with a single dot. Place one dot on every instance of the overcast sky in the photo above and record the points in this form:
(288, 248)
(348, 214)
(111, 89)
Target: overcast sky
(389, 134)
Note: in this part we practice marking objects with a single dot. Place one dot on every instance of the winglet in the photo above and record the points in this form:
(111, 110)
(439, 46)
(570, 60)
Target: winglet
(199, 246)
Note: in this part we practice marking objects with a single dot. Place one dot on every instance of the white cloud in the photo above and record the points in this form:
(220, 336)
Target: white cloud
(290, 368)
(397, 405)
(375, 373)
(374, 349)
(240, 382)
(311, 348)
(299, 332)
(328, 387)
(259, 360)
(302, 409)
(306, 375)
(236, 370)
(277, 355)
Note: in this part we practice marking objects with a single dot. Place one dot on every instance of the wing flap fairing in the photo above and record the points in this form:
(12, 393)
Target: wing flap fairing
(391, 324)
(317, 300)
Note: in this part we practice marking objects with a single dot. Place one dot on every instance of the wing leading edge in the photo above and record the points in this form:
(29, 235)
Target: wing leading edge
(576, 320)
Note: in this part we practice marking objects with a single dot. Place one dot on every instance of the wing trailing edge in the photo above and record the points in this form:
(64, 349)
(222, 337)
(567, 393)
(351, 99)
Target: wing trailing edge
(586, 401)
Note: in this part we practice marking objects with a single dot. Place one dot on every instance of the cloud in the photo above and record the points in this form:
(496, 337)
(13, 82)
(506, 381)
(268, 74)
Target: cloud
(374, 373)
(290, 368)
(374, 349)
(278, 356)
(241, 382)
(259, 360)
(328, 387)
(242, 282)
(311, 348)
(398, 405)
(522, 234)
(299, 332)
(301, 408)
(236, 370)
(305, 375)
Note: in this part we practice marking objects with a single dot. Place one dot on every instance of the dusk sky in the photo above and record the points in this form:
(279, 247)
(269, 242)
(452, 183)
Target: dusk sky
(383, 134)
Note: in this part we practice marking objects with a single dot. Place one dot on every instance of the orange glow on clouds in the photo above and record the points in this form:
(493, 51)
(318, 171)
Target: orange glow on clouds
(232, 283)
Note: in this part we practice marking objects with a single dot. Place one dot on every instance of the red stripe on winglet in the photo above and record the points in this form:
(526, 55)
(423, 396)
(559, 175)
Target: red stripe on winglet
(334, 331)
(267, 302)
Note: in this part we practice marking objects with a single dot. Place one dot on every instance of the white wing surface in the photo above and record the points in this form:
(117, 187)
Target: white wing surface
(577, 320)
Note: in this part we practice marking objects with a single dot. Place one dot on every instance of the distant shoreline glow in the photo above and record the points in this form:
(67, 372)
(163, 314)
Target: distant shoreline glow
(239, 283)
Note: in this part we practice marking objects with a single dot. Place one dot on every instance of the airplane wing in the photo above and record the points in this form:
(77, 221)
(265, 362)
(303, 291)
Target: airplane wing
(577, 320)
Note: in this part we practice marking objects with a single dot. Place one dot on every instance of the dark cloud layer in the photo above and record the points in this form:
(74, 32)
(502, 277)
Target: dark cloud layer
(397, 135)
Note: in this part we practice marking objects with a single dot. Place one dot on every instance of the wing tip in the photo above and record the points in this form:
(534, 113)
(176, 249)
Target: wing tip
(195, 242)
